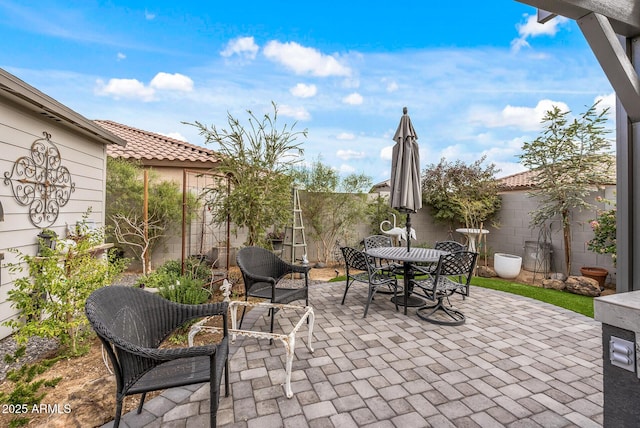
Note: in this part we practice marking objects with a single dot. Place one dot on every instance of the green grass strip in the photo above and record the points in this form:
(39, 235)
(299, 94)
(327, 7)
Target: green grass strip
(574, 302)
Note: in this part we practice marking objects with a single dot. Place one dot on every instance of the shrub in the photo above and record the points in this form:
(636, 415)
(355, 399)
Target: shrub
(604, 230)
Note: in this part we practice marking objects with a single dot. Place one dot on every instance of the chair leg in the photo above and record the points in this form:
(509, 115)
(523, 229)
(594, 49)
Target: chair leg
(346, 288)
(427, 313)
(242, 317)
(142, 397)
(273, 316)
(226, 377)
(116, 421)
(372, 291)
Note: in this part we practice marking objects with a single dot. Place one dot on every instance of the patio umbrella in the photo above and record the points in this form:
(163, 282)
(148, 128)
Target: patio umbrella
(406, 194)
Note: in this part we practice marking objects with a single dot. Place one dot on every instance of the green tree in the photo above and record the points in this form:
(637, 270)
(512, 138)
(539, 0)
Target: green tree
(333, 206)
(378, 210)
(461, 194)
(257, 158)
(124, 201)
(570, 159)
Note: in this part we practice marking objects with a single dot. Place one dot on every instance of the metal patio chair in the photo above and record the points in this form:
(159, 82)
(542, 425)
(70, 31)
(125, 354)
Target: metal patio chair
(452, 275)
(359, 268)
(387, 266)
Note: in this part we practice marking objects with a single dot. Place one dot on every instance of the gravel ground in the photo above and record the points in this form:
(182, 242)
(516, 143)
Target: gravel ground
(37, 348)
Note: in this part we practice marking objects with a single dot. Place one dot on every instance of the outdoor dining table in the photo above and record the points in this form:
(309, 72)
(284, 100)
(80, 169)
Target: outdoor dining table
(407, 257)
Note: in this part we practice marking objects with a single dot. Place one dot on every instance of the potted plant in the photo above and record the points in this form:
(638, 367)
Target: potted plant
(47, 240)
(276, 239)
(604, 230)
(604, 240)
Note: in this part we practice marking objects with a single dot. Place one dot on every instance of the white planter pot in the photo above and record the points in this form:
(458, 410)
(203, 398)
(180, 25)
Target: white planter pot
(507, 265)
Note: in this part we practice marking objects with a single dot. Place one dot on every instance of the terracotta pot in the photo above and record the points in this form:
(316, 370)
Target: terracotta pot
(597, 273)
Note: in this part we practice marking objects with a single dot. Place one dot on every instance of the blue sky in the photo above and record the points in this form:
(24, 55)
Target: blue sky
(476, 76)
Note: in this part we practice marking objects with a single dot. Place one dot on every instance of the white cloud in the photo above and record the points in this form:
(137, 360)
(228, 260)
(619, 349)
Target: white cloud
(149, 16)
(526, 118)
(353, 99)
(172, 82)
(125, 88)
(346, 136)
(304, 91)
(392, 86)
(304, 60)
(531, 28)
(386, 153)
(121, 56)
(175, 135)
(298, 113)
(607, 101)
(242, 46)
(350, 154)
(346, 169)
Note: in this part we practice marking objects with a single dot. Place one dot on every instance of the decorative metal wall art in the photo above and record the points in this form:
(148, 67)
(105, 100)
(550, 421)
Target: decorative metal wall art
(40, 182)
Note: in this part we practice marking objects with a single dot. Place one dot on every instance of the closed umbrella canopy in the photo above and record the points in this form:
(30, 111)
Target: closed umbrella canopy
(406, 192)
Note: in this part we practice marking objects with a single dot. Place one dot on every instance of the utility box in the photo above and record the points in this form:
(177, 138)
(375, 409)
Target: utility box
(620, 318)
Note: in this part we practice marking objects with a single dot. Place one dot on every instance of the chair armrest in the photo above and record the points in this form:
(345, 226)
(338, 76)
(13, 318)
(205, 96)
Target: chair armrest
(260, 278)
(168, 354)
(204, 310)
(299, 268)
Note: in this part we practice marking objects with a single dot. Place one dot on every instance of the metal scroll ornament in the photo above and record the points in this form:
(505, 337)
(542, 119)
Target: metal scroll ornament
(40, 182)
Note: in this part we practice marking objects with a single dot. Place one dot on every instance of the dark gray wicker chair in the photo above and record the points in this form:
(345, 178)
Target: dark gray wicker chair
(452, 275)
(262, 270)
(132, 323)
(360, 268)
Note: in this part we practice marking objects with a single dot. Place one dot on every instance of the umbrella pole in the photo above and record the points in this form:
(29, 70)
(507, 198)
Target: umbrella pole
(408, 232)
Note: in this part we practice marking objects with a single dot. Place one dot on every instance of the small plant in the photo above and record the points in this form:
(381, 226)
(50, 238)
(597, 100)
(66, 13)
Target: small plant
(171, 271)
(184, 290)
(26, 391)
(52, 295)
(275, 236)
(604, 229)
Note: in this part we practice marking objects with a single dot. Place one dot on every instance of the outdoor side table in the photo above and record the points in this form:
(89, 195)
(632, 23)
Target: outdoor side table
(288, 339)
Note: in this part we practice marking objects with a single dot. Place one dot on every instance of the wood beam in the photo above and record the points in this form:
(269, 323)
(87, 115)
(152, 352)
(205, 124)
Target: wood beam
(623, 14)
(614, 61)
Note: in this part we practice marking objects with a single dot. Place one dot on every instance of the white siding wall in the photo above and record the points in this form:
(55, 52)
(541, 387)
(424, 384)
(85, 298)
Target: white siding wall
(86, 162)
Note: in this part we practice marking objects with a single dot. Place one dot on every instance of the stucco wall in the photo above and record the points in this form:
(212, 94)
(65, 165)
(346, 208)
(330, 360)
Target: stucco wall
(513, 232)
(86, 162)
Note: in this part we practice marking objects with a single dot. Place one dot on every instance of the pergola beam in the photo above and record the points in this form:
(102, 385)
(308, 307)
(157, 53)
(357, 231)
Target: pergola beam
(623, 14)
(614, 61)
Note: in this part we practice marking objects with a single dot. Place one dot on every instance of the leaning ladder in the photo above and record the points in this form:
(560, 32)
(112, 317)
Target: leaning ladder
(295, 244)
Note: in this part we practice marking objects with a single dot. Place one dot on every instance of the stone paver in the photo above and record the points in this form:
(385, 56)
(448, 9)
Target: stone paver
(516, 362)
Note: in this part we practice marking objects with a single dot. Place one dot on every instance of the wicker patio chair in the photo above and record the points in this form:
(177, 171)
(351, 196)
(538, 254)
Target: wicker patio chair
(132, 323)
(452, 275)
(360, 268)
(262, 271)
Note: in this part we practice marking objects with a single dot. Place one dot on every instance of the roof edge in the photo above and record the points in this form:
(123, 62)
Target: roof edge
(13, 88)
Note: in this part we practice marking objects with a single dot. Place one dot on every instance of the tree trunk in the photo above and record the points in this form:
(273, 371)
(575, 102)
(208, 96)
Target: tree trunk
(566, 234)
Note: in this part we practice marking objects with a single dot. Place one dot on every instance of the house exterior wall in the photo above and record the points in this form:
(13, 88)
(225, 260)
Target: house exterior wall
(86, 162)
